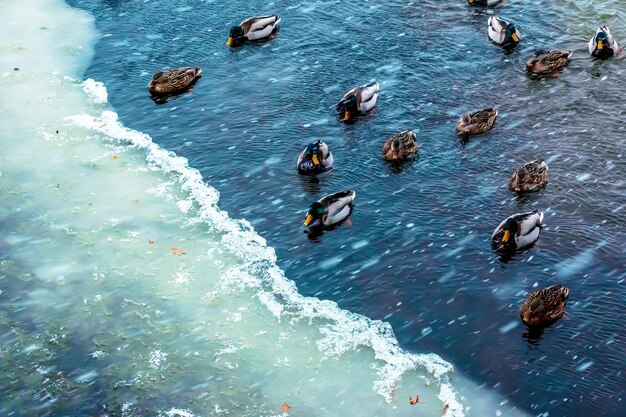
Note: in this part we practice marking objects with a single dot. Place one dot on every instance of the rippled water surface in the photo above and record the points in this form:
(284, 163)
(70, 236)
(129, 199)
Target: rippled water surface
(416, 252)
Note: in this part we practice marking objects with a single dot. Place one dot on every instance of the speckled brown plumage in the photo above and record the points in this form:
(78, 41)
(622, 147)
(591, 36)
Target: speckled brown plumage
(476, 122)
(529, 177)
(548, 62)
(173, 81)
(400, 146)
(545, 306)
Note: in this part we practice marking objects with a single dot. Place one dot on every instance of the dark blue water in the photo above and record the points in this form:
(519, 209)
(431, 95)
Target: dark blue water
(416, 253)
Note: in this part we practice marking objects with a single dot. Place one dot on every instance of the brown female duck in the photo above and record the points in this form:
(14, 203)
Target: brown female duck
(548, 62)
(529, 177)
(544, 307)
(400, 146)
(476, 122)
(173, 81)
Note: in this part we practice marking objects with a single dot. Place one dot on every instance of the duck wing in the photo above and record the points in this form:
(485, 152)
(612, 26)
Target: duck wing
(260, 26)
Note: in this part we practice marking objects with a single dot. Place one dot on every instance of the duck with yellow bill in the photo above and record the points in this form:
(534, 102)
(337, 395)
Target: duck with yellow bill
(259, 28)
(331, 209)
(516, 232)
(357, 101)
(503, 33)
(316, 158)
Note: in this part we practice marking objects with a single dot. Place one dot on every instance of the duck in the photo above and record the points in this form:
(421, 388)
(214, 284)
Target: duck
(548, 62)
(400, 146)
(602, 45)
(480, 121)
(173, 81)
(331, 209)
(258, 28)
(315, 158)
(529, 177)
(544, 307)
(503, 33)
(358, 100)
(483, 2)
(516, 232)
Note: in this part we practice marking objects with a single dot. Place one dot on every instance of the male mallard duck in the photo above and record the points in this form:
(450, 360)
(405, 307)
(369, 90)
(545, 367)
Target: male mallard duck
(483, 2)
(358, 100)
(315, 159)
(544, 307)
(517, 231)
(503, 33)
(548, 62)
(476, 122)
(400, 146)
(529, 177)
(331, 209)
(173, 81)
(603, 45)
(253, 29)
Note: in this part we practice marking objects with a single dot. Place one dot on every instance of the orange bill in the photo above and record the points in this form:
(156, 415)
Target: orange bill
(316, 161)
(308, 220)
(347, 116)
(515, 37)
(506, 236)
(229, 41)
(600, 45)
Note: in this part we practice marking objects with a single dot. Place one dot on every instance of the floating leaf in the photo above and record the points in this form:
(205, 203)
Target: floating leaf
(102, 125)
(115, 157)
(150, 242)
(415, 400)
(178, 251)
(445, 409)
(285, 407)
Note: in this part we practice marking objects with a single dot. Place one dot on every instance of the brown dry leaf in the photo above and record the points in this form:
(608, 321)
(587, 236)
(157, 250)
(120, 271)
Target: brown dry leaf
(178, 251)
(150, 242)
(285, 407)
(445, 409)
(102, 125)
(415, 400)
(115, 157)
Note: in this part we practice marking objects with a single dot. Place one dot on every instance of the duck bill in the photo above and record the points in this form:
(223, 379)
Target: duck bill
(229, 42)
(347, 115)
(316, 161)
(308, 220)
(515, 37)
(506, 236)
(600, 45)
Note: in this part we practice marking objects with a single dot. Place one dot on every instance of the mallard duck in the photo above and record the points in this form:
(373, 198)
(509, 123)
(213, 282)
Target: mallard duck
(400, 146)
(173, 81)
(315, 159)
(476, 122)
(544, 307)
(603, 45)
(529, 177)
(358, 100)
(331, 209)
(548, 62)
(253, 29)
(517, 231)
(503, 33)
(483, 2)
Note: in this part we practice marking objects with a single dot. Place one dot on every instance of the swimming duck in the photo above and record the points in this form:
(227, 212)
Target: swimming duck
(331, 209)
(529, 177)
(476, 122)
(257, 28)
(315, 159)
(173, 81)
(503, 33)
(483, 2)
(603, 45)
(548, 62)
(517, 231)
(358, 100)
(544, 307)
(400, 146)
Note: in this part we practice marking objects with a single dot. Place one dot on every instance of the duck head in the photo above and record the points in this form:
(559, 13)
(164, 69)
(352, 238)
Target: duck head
(317, 151)
(509, 229)
(601, 40)
(519, 181)
(236, 37)
(346, 109)
(314, 216)
(511, 31)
